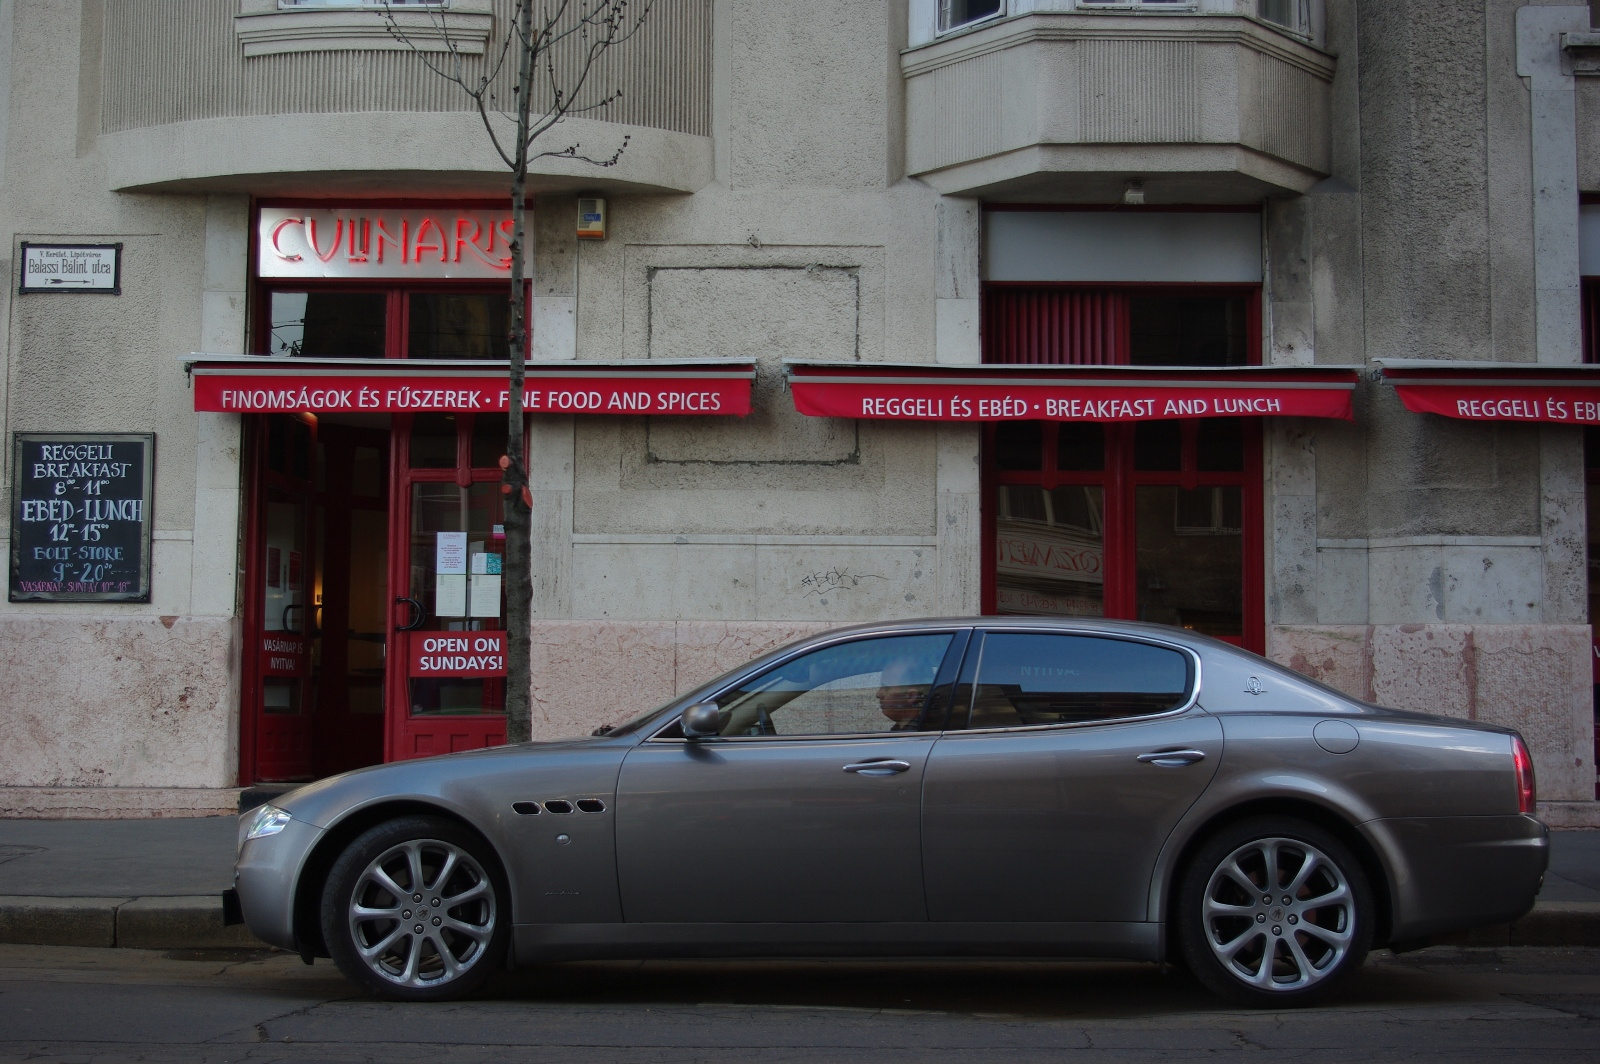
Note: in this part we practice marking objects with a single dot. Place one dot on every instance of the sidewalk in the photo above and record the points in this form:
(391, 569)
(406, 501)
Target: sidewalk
(157, 884)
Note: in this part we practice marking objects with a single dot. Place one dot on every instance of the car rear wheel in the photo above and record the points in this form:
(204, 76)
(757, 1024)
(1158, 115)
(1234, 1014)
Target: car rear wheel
(413, 911)
(1274, 912)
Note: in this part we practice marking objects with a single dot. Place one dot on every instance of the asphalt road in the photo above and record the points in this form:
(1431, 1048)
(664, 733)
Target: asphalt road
(1445, 1004)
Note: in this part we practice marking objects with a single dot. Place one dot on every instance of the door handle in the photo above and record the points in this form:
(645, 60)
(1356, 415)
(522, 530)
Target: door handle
(417, 614)
(878, 768)
(1173, 758)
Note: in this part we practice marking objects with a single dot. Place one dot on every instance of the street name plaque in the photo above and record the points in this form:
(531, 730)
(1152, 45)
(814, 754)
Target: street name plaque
(71, 268)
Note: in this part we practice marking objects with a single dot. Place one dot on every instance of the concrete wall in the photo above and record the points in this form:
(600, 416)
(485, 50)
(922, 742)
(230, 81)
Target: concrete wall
(127, 695)
(169, 61)
(810, 244)
(1408, 543)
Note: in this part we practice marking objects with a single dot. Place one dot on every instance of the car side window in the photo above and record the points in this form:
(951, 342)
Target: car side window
(1027, 679)
(861, 687)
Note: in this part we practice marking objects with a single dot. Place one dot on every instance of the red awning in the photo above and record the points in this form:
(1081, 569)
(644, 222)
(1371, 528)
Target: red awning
(237, 384)
(934, 392)
(1497, 391)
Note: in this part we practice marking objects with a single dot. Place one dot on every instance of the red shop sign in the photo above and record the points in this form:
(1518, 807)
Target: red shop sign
(383, 242)
(1498, 391)
(1062, 393)
(458, 654)
(254, 384)
(1571, 406)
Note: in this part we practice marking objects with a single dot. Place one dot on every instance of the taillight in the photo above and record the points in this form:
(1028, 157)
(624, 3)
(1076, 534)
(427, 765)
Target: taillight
(1526, 796)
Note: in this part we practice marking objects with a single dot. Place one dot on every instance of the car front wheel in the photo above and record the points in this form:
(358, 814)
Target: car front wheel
(1274, 912)
(412, 910)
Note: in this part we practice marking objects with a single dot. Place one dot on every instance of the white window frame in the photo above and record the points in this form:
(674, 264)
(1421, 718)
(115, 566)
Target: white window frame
(329, 5)
(1302, 14)
(1178, 6)
(944, 13)
(927, 17)
(277, 27)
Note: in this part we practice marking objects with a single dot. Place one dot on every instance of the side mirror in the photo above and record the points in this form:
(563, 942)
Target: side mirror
(701, 721)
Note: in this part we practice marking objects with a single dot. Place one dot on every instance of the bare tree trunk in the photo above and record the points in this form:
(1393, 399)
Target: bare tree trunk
(518, 513)
(594, 26)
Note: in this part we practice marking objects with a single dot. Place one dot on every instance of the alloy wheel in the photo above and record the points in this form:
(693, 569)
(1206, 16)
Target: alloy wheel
(422, 913)
(1279, 914)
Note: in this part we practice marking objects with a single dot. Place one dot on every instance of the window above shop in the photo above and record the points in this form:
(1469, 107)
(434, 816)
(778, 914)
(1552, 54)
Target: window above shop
(275, 27)
(364, 3)
(933, 18)
(959, 14)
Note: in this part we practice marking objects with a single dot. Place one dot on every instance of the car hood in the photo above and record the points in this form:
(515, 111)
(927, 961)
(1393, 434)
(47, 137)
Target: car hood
(429, 778)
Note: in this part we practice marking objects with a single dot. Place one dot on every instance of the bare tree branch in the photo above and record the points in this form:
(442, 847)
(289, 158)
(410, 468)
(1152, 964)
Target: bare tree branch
(560, 49)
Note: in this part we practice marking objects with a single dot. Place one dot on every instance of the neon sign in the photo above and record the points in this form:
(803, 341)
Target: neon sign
(383, 242)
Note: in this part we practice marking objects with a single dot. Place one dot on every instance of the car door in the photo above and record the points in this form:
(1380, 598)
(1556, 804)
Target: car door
(1079, 755)
(805, 806)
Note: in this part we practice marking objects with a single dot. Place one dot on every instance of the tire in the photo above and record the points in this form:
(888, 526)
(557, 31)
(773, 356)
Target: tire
(1271, 953)
(415, 909)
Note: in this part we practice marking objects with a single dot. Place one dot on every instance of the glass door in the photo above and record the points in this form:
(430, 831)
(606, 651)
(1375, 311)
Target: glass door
(447, 671)
(282, 570)
(350, 597)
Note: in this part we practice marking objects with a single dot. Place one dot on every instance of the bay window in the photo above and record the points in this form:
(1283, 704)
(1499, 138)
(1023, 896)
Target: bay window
(945, 16)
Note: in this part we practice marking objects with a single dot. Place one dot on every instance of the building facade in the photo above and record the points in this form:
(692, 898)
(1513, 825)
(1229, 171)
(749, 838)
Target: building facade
(1274, 319)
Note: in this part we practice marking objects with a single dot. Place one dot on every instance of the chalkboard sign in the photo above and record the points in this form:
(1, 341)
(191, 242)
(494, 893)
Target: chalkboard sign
(80, 516)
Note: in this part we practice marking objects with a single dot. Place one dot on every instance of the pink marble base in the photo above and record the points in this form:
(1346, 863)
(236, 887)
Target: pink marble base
(1532, 677)
(98, 702)
(116, 803)
(1570, 816)
(589, 673)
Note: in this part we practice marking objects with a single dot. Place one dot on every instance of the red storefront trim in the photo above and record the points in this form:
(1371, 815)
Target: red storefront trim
(1498, 391)
(256, 384)
(931, 392)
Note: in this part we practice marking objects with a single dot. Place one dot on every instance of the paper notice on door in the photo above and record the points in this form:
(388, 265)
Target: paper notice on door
(485, 564)
(485, 594)
(450, 595)
(450, 554)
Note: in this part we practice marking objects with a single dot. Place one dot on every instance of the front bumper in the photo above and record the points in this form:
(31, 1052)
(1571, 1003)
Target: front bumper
(266, 875)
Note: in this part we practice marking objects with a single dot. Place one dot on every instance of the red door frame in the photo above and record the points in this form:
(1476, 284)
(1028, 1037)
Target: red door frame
(397, 336)
(339, 744)
(476, 730)
(258, 482)
(1119, 479)
(250, 663)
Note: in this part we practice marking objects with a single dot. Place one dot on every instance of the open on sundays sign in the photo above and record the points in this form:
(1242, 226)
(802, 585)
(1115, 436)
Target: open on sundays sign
(80, 520)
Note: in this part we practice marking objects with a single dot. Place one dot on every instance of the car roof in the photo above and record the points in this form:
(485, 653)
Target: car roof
(1089, 625)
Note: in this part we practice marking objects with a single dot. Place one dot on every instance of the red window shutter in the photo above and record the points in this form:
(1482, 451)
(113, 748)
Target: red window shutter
(1591, 319)
(1055, 326)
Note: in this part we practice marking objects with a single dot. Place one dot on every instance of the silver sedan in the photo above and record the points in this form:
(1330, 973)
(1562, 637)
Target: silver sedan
(983, 787)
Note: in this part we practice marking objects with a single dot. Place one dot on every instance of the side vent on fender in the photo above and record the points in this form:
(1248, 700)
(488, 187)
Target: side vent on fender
(558, 806)
(525, 808)
(591, 805)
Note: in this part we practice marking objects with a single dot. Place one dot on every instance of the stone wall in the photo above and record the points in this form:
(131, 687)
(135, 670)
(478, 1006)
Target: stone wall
(590, 673)
(1532, 677)
(135, 702)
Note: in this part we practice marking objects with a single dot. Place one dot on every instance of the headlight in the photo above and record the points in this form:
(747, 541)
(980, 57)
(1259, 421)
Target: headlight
(268, 820)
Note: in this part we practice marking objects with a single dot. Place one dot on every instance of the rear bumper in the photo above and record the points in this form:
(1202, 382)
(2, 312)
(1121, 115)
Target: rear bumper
(1455, 873)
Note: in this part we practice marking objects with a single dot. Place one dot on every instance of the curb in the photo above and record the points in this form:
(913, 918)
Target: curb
(1551, 923)
(195, 922)
(182, 922)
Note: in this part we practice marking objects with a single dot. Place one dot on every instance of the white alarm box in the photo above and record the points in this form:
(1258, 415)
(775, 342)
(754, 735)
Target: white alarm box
(591, 218)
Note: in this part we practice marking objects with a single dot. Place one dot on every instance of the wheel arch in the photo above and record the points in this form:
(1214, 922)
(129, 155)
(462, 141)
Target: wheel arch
(1328, 819)
(319, 862)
